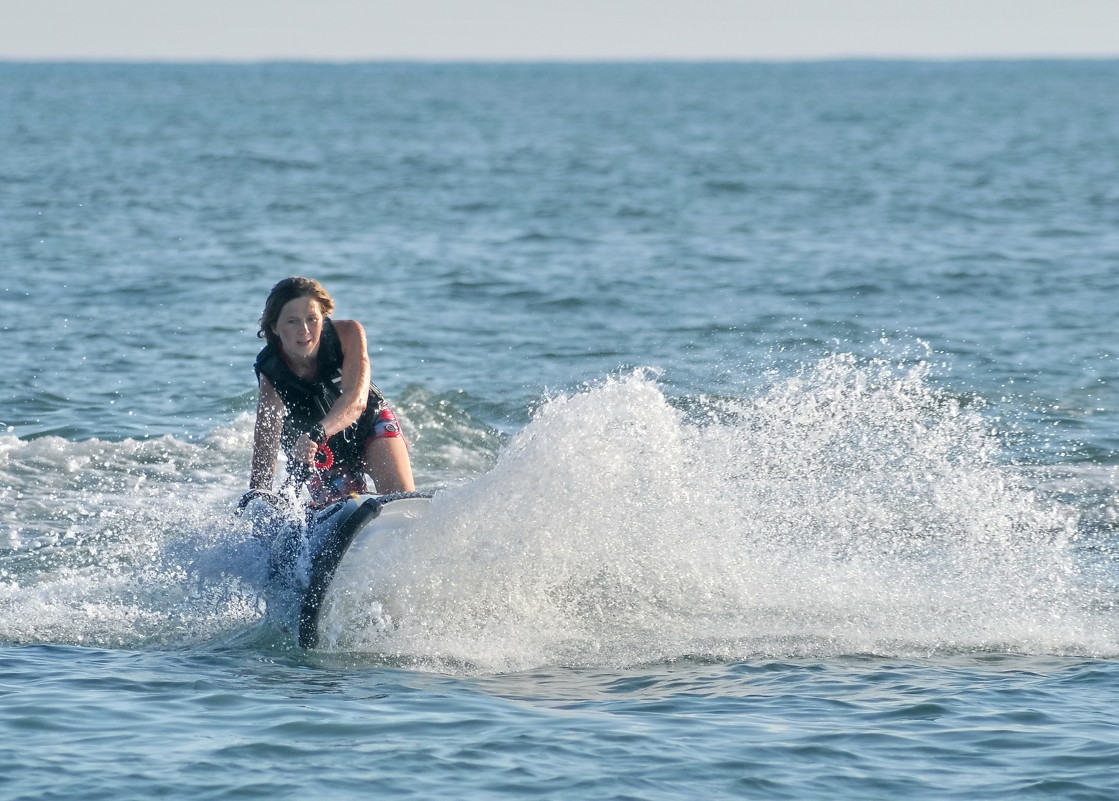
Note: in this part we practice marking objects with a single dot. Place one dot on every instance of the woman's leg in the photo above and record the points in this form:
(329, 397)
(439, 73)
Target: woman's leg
(387, 461)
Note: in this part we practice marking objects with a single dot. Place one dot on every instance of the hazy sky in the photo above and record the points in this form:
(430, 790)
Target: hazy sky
(553, 29)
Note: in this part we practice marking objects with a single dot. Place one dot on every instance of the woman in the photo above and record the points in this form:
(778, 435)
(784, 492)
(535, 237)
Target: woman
(315, 394)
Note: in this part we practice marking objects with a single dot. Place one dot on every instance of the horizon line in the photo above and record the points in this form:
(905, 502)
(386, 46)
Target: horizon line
(556, 60)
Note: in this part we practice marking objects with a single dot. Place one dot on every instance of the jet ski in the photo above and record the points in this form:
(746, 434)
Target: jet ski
(319, 555)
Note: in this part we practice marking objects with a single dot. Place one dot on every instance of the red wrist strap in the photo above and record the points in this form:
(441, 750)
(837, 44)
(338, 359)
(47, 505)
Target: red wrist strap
(324, 457)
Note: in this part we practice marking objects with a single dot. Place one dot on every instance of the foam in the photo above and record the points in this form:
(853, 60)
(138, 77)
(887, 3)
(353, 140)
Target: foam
(850, 508)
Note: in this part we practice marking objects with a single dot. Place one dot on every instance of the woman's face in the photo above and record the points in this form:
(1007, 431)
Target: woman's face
(299, 327)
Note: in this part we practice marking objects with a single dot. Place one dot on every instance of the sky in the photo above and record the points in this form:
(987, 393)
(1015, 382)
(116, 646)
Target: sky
(533, 30)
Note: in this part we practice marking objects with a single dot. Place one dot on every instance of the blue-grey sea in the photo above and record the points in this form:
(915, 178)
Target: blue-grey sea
(771, 413)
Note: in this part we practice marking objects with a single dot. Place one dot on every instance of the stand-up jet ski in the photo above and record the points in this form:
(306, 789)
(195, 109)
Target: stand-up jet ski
(320, 553)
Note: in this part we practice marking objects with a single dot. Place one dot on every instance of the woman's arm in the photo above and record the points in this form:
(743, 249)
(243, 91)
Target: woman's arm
(347, 408)
(355, 378)
(270, 411)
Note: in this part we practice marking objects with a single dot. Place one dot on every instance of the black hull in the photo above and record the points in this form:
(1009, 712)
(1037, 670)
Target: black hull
(333, 530)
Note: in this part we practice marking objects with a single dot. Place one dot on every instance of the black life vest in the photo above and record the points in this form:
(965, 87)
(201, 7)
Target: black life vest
(308, 402)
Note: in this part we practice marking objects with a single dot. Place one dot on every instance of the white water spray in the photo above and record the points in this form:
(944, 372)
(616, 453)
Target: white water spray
(849, 509)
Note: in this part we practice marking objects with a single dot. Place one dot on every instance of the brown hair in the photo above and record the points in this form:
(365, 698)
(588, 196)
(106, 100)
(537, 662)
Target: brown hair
(288, 290)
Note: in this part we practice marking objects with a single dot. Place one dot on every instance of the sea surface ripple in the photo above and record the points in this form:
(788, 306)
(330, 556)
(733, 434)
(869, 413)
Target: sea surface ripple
(770, 412)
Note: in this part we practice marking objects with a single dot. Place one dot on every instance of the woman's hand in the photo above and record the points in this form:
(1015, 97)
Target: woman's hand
(304, 450)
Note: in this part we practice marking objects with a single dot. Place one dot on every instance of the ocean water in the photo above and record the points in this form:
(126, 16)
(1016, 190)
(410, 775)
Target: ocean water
(771, 414)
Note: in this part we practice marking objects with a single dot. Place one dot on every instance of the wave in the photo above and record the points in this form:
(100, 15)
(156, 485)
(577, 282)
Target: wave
(850, 508)
(132, 543)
